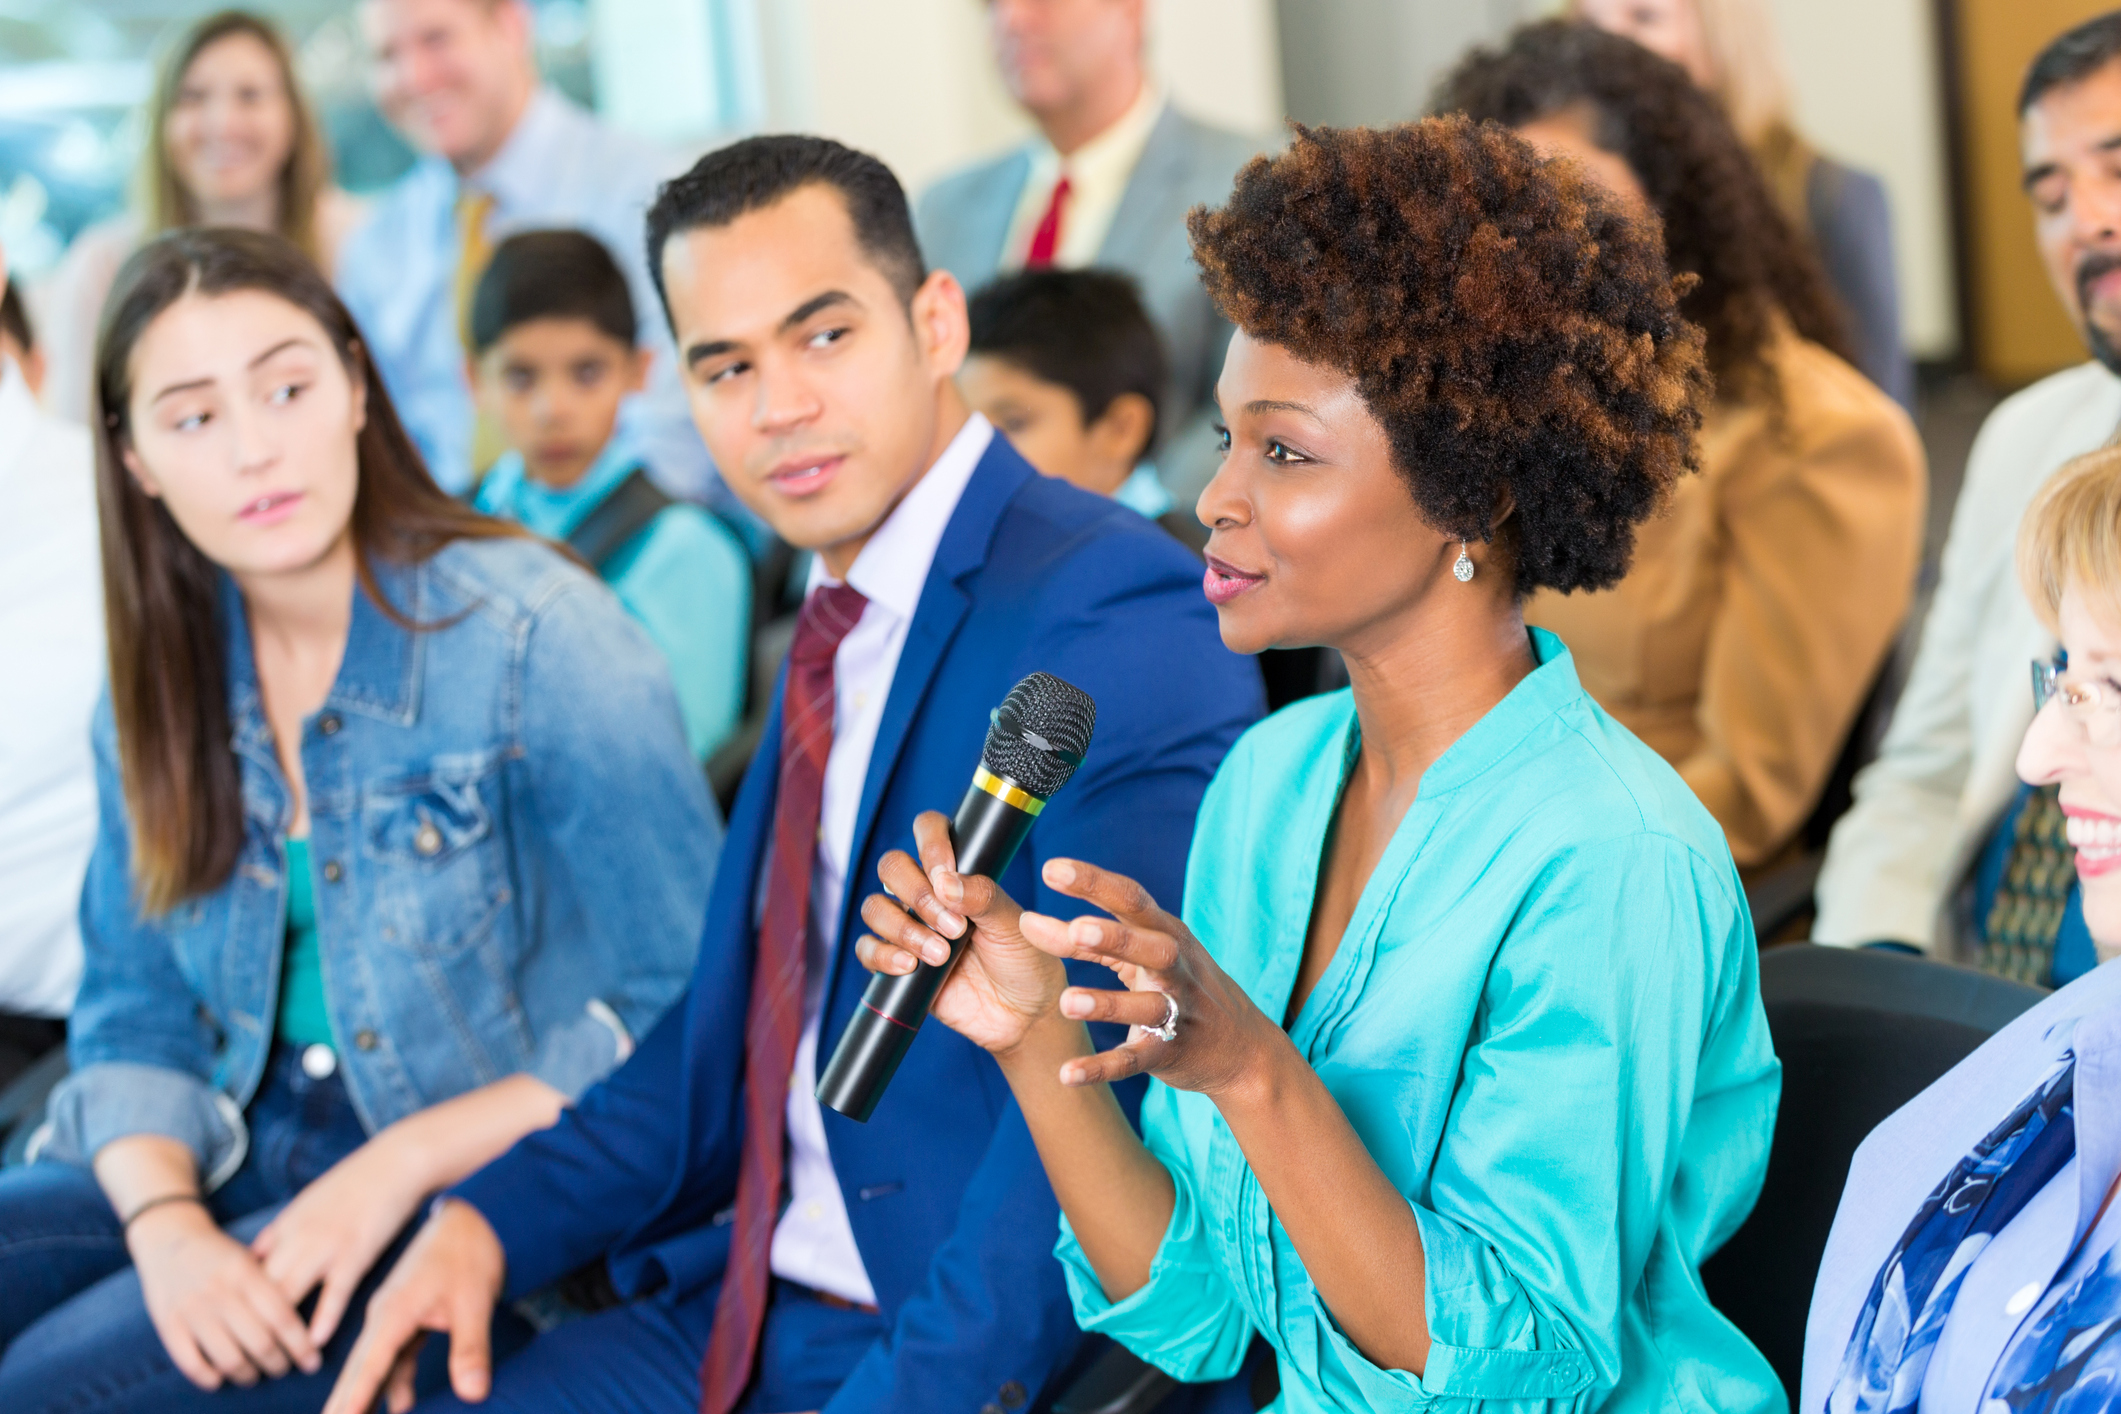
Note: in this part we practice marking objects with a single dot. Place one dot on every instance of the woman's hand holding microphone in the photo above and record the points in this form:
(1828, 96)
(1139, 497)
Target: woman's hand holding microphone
(1193, 1027)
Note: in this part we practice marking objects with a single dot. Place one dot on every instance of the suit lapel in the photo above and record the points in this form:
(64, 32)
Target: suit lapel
(1145, 208)
(989, 214)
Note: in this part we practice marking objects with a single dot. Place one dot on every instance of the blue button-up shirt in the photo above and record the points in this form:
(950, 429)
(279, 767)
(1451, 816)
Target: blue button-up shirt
(559, 168)
(2034, 1260)
(1543, 1020)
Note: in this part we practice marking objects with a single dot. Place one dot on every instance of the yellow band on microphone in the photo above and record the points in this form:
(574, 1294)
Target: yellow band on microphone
(1007, 792)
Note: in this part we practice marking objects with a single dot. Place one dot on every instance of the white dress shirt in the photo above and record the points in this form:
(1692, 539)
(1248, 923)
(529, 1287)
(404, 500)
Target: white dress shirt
(51, 639)
(814, 1244)
(1097, 173)
(1947, 769)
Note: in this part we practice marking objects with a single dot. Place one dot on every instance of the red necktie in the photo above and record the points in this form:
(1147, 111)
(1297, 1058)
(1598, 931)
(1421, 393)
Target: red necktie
(773, 1024)
(1045, 241)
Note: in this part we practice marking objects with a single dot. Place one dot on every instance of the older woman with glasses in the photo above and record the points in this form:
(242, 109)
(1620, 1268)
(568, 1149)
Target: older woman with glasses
(1976, 1260)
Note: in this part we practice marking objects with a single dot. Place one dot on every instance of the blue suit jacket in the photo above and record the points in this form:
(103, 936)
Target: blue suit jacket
(948, 1202)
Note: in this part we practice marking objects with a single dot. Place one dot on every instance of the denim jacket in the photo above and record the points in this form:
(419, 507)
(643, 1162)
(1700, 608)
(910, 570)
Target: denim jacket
(512, 846)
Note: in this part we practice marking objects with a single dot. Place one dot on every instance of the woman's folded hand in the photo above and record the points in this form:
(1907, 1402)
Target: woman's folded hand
(1219, 1038)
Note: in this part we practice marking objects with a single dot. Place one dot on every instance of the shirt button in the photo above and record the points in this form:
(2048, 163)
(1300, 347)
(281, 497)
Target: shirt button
(813, 1210)
(2023, 1298)
(1013, 1395)
(365, 1040)
(319, 1061)
(332, 871)
(427, 839)
(329, 724)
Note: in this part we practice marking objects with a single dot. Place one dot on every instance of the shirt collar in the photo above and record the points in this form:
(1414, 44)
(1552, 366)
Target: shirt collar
(520, 169)
(555, 512)
(1143, 492)
(1115, 150)
(892, 568)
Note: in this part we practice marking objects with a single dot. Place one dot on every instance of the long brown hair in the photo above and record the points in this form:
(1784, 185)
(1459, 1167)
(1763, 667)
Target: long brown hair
(161, 594)
(303, 177)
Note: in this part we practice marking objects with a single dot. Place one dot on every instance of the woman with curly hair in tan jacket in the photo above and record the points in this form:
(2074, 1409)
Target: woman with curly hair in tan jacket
(1761, 606)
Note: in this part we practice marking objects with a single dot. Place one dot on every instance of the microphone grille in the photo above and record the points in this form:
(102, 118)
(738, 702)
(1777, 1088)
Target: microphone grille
(1040, 734)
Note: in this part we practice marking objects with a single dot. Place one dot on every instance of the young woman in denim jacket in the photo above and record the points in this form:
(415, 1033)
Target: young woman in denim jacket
(401, 850)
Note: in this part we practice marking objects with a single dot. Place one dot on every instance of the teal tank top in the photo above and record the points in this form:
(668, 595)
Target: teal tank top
(304, 1020)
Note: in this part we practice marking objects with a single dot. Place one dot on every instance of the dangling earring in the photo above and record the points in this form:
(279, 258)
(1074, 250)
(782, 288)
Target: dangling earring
(1463, 569)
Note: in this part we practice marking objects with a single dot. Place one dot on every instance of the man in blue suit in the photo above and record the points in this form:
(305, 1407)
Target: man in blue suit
(770, 1256)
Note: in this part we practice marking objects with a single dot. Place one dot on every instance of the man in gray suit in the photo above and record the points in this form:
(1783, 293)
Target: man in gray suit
(1107, 181)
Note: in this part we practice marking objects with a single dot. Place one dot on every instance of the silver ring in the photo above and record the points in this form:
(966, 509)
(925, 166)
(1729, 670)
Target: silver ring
(1169, 1030)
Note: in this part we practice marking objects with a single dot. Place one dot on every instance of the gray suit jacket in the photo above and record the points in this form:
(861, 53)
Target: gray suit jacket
(964, 220)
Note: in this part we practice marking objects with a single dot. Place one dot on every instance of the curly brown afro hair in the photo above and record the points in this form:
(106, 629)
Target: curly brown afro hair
(1515, 332)
(1721, 222)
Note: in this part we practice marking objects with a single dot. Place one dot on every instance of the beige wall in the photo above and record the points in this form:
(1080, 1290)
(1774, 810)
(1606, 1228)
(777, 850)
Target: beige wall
(912, 81)
(1865, 80)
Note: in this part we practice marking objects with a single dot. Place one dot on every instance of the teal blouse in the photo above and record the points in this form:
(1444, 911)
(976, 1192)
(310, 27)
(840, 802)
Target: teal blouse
(1544, 1021)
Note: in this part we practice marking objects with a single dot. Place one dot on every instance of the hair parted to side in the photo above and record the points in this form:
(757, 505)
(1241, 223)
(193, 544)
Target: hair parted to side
(755, 172)
(2071, 535)
(1517, 334)
(2071, 57)
(162, 596)
(1083, 330)
(1721, 222)
(561, 274)
(303, 179)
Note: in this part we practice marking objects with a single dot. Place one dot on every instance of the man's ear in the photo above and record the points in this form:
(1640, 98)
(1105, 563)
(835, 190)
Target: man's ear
(940, 322)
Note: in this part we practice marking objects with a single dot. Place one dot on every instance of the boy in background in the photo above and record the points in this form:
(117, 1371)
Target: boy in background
(553, 355)
(1068, 366)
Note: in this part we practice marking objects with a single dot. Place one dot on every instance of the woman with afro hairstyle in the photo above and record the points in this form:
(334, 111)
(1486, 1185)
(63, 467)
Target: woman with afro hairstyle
(1760, 608)
(1459, 1061)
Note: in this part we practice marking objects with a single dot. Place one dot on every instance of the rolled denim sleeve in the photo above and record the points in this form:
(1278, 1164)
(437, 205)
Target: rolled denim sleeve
(1186, 1319)
(142, 1047)
(121, 1099)
(624, 841)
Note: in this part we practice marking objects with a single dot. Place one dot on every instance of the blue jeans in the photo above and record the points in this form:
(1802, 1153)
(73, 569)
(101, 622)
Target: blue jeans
(74, 1327)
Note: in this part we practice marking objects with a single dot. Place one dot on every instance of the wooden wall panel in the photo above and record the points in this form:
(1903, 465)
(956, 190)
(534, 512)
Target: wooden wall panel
(2019, 332)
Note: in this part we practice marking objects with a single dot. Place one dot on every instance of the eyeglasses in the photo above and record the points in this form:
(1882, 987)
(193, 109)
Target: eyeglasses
(2093, 705)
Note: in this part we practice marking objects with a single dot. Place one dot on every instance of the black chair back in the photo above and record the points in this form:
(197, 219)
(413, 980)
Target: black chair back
(1861, 1031)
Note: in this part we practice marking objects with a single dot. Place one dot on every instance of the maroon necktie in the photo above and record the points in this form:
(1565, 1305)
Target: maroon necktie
(1045, 238)
(774, 1022)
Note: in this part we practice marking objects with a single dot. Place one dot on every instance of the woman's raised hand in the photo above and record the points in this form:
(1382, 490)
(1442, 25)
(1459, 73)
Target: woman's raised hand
(1002, 984)
(1220, 1035)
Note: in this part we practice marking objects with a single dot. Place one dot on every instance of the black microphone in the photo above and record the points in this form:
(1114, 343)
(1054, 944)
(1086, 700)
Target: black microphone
(1037, 739)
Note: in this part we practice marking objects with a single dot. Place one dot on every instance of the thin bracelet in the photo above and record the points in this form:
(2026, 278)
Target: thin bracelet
(153, 1203)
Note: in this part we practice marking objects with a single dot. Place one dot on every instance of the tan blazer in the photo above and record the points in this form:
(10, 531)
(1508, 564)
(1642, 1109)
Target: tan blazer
(1763, 600)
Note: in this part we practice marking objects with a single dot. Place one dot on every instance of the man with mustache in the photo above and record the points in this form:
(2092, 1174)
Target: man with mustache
(1941, 808)
(767, 1255)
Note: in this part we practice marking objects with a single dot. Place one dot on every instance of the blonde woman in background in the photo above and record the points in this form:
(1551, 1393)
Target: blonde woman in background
(231, 142)
(1729, 48)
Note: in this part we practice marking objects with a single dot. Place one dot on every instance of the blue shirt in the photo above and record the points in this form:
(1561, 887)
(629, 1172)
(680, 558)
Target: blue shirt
(512, 850)
(2000, 1337)
(397, 273)
(684, 577)
(1544, 1021)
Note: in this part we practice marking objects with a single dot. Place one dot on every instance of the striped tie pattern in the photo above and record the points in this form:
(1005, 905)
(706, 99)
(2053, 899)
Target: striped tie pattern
(773, 1024)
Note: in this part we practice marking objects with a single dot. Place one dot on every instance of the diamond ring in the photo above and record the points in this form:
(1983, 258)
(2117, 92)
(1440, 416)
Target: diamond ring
(1169, 1030)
